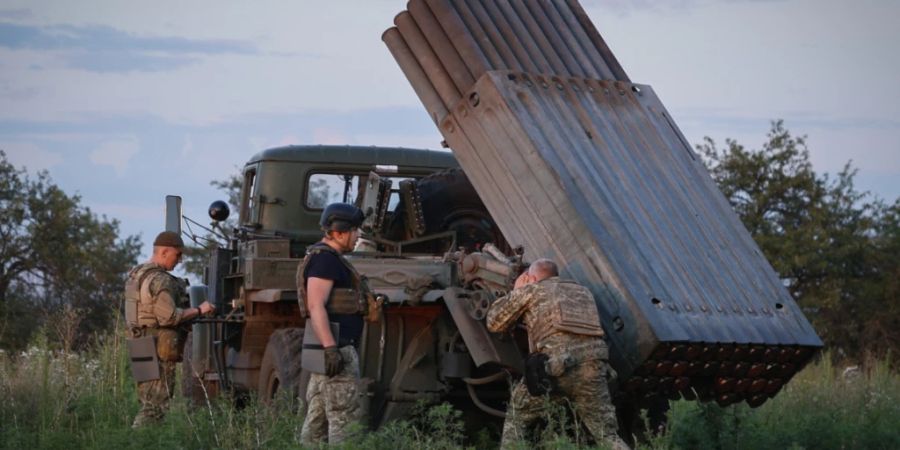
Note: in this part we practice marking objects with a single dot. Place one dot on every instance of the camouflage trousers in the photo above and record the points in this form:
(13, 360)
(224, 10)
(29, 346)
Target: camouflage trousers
(585, 388)
(332, 403)
(154, 395)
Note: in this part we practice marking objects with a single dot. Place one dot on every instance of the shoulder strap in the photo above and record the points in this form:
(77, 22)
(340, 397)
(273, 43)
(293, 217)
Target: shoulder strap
(147, 272)
(355, 277)
(351, 300)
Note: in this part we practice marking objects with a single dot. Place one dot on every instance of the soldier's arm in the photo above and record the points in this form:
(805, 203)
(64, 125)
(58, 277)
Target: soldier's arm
(507, 310)
(317, 292)
(165, 308)
(167, 314)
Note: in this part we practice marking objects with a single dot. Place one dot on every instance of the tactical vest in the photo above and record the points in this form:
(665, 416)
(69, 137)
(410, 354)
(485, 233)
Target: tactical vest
(569, 308)
(133, 292)
(341, 300)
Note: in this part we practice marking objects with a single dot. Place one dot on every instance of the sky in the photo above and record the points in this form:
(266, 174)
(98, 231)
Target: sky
(123, 103)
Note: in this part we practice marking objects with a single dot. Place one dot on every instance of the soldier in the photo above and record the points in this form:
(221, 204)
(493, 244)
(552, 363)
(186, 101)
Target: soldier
(331, 397)
(151, 294)
(568, 354)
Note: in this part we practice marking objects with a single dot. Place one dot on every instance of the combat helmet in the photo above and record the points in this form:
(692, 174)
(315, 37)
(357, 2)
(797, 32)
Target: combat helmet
(341, 217)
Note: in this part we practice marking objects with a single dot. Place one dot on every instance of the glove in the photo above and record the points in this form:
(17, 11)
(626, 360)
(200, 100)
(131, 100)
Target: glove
(333, 361)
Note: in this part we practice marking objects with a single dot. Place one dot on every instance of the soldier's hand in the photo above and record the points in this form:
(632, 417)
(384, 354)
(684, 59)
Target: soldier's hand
(523, 280)
(206, 308)
(333, 361)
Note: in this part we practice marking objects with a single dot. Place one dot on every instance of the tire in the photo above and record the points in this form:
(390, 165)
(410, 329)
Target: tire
(280, 371)
(450, 202)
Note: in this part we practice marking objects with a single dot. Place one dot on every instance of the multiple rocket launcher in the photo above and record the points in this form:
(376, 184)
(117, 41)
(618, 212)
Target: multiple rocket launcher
(577, 163)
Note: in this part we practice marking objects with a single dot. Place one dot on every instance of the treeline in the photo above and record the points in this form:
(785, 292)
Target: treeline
(62, 267)
(836, 248)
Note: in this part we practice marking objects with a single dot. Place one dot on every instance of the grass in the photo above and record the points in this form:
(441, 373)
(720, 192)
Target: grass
(818, 409)
(52, 399)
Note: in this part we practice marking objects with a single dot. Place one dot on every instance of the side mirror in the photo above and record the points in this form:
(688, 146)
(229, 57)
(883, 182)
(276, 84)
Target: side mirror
(218, 211)
(173, 213)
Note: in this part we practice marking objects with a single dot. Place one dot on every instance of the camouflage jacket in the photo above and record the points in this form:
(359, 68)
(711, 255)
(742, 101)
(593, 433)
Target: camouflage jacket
(154, 294)
(553, 311)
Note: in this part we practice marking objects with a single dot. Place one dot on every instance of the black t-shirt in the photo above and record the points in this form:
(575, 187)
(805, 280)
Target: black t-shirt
(326, 265)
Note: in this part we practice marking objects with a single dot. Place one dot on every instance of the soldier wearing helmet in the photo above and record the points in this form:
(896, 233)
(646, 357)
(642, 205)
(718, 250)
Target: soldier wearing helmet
(331, 397)
(568, 354)
(151, 295)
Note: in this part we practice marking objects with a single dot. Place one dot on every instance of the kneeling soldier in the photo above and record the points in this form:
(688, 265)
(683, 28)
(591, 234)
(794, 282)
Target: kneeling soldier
(568, 354)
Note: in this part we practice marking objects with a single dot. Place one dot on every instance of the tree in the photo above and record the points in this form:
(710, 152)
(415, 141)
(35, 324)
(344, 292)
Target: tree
(835, 247)
(56, 256)
(197, 256)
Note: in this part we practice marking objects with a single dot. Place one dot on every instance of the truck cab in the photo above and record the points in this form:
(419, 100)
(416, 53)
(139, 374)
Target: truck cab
(424, 219)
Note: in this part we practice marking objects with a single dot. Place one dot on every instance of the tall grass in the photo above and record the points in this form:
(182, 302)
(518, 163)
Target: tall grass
(55, 399)
(818, 409)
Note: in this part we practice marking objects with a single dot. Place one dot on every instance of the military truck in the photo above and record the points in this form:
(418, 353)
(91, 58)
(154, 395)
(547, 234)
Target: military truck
(433, 252)
(560, 155)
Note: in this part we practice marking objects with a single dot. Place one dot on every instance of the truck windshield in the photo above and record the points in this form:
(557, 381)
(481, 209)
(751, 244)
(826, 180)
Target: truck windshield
(325, 188)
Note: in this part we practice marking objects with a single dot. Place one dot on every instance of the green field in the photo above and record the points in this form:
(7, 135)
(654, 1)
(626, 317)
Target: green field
(54, 400)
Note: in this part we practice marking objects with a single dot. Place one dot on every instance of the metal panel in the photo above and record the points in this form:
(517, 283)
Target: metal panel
(577, 163)
(604, 191)
(270, 273)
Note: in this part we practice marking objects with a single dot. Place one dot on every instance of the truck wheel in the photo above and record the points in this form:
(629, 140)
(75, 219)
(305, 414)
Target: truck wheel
(280, 370)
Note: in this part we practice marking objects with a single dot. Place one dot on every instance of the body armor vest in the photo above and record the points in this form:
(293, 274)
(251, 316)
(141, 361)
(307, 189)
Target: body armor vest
(133, 286)
(569, 308)
(351, 300)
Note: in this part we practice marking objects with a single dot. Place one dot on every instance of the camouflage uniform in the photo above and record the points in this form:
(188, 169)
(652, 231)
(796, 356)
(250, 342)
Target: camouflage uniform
(562, 322)
(332, 403)
(157, 315)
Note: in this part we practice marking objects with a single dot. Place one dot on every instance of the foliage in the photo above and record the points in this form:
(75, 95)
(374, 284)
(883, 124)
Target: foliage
(835, 247)
(196, 257)
(57, 399)
(57, 260)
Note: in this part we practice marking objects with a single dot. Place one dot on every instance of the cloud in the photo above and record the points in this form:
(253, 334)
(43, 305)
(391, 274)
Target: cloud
(116, 154)
(15, 14)
(30, 155)
(99, 48)
(625, 7)
(10, 92)
(105, 38)
(731, 119)
(119, 62)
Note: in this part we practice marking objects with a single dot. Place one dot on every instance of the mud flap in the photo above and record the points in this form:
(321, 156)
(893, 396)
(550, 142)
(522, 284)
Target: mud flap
(144, 360)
